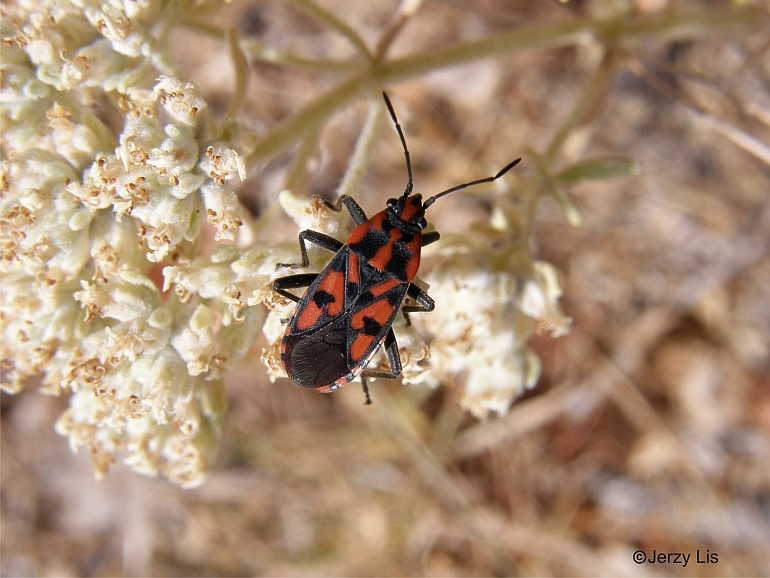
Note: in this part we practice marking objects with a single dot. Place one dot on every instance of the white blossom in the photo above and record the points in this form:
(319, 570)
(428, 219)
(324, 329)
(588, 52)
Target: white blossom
(87, 214)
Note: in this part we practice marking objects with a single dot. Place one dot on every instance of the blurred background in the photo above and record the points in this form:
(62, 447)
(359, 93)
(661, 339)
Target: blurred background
(650, 426)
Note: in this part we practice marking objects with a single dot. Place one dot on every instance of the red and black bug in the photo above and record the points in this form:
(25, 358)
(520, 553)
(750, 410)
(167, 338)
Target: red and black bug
(348, 309)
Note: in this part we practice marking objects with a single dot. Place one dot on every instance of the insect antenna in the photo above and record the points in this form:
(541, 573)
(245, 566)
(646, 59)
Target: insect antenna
(408, 189)
(504, 170)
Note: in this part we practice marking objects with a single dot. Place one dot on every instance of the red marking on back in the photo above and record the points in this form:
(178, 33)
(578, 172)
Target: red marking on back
(411, 206)
(360, 345)
(415, 246)
(380, 311)
(334, 283)
(360, 231)
(353, 271)
(309, 315)
(385, 286)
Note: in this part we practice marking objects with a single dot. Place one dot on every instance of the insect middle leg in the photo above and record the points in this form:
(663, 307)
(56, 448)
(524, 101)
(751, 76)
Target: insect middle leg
(282, 285)
(424, 302)
(394, 362)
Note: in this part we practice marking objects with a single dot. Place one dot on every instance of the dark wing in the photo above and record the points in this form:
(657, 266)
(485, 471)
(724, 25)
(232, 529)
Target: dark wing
(318, 359)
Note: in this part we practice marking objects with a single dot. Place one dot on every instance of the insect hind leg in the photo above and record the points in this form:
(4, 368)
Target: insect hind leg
(394, 363)
(282, 285)
(430, 237)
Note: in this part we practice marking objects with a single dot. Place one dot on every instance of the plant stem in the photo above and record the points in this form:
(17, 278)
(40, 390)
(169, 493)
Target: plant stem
(679, 24)
(241, 73)
(309, 118)
(298, 165)
(260, 51)
(342, 27)
(594, 90)
(359, 162)
(266, 53)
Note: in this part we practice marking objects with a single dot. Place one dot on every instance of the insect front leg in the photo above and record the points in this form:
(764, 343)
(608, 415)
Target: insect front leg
(355, 210)
(394, 361)
(424, 302)
(320, 239)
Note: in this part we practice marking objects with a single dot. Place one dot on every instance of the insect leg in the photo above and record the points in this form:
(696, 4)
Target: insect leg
(355, 210)
(323, 241)
(281, 285)
(366, 390)
(430, 237)
(423, 300)
(394, 361)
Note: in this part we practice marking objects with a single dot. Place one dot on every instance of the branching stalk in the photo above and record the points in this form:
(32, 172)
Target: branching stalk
(682, 24)
(241, 73)
(359, 162)
(299, 163)
(340, 26)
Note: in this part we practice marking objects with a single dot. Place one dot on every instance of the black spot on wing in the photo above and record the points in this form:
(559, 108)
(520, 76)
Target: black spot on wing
(371, 327)
(395, 298)
(371, 276)
(322, 298)
(364, 299)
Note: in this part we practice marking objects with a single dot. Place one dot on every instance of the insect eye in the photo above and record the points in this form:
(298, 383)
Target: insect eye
(392, 203)
(423, 223)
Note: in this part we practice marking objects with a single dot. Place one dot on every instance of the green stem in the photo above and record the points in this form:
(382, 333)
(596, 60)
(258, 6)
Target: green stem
(309, 118)
(241, 73)
(299, 163)
(359, 161)
(262, 52)
(670, 25)
(594, 90)
(203, 27)
(684, 24)
(342, 27)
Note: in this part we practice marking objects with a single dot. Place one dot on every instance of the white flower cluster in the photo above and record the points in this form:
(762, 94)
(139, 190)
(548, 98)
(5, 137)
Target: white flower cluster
(485, 312)
(95, 219)
(91, 219)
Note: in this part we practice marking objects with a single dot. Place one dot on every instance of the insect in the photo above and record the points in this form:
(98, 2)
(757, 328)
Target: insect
(346, 313)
